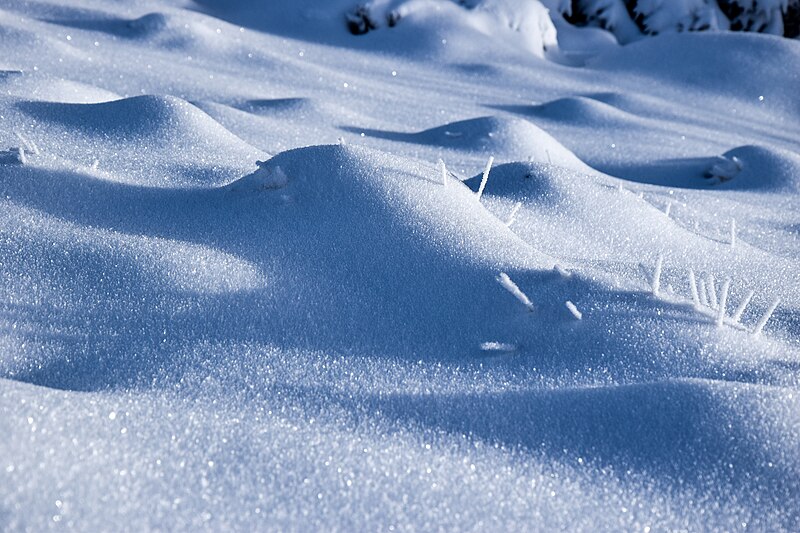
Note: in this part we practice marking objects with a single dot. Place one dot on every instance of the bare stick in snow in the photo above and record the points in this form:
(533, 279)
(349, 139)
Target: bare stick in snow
(737, 315)
(513, 214)
(485, 177)
(703, 293)
(765, 317)
(30, 145)
(574, 310)
(657, 275)
(443, 168)
(668, 209)
(723, 301)
(733, 233)
(693, 287)
(712, 291)
(511, 287)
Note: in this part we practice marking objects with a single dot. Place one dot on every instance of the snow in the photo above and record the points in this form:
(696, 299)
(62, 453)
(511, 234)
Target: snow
(256, 273)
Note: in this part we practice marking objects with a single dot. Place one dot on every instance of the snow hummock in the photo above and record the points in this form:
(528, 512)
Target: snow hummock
(248, 281)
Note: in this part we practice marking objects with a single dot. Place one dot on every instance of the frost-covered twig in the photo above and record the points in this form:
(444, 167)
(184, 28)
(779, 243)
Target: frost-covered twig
(511, 287)
(668, 209)
(703, 293)
(765, 317)
(723, 301)
(657, 275)
(21, 153)
(574, 310)
(712, 291)
(693, 287)
(737, 315)
(485, 177)
(30, 145)
(513, 214)
(443, 169)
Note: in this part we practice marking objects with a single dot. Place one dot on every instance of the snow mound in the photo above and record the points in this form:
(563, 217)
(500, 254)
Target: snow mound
(184, 145)
(502, 137)
(148, 25)
(559, 207)
(280, 106)
(417, 243)
(715, 63)
(582, 110)
(759, 168)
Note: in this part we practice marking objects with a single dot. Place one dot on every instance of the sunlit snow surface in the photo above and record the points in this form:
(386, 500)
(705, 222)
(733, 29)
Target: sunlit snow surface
(239, 291)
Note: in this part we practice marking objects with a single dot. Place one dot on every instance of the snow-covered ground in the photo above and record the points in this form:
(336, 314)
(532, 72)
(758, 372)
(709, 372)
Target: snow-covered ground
(258, 273)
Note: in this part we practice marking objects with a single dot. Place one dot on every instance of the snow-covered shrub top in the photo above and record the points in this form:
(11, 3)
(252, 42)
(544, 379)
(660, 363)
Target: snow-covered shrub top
(630, 19)
(529, 20)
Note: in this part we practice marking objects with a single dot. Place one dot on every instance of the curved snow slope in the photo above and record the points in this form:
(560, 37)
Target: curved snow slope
(167, 29)
(354, 237)
(148, 140)
(352, 250)
(209, 463)
(714, 64)
(570, 214)
(583, 110)
(281, 345)
(502, 137)
(636, 137)
(703, 432)
(278, 124)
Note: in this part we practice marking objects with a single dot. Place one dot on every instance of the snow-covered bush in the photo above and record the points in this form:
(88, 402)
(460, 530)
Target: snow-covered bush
(630, 19)
(360, 20)
(528, 20)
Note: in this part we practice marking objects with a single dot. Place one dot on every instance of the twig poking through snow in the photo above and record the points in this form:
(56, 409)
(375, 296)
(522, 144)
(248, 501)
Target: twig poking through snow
(763, 321)
(574, 310)
(443, 169)
(723, 301)
(693, 287)
(733, 233)
(511, 287)
(485, 177)
(657, 275)
(513, 214)
(22, 158)
(668, 209)
(737, 315)
(30, 145)
(703, 293)
(712, 291)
